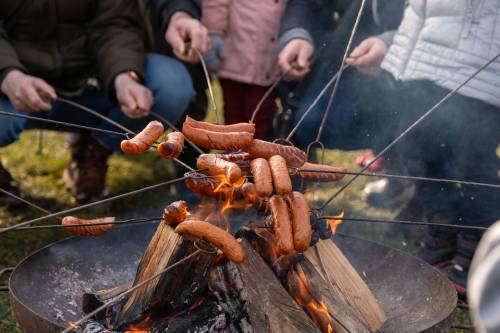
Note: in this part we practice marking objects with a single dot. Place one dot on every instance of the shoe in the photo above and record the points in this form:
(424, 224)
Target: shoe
(8, 184)
(387, 193)
(85, 175)
(457, 273)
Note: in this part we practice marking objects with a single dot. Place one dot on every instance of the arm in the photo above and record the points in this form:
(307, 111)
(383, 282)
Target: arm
(8, 56)
(117, 43)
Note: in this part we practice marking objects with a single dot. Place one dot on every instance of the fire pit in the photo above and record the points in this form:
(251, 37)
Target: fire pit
(46, 289)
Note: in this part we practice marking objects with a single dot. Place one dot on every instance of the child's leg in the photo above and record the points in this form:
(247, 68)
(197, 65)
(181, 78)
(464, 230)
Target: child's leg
(263, 120)
(233, 101)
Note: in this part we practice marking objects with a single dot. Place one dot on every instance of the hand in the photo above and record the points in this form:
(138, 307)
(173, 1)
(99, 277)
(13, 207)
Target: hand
(368, 56)
(28, 93)
(135, 99)
(183, 29)
(294, 58)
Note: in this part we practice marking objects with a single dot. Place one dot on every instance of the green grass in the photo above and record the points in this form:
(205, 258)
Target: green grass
(39, 175)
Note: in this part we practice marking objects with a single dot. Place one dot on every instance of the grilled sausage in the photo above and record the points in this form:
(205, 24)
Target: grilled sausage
(241, 127)
(301, 224)
(280, 175)
(282, 225)
(217, 166)
(87, 230)
(175, 213)
(143, 140)
(173, 146)
(329, 176)
(262, 177)
(250, 194)
(217, 140)
(201, 184)
(293, 155)
(216, 236)
(235, 157)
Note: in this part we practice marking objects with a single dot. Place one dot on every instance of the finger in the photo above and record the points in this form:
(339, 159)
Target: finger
(33, 99)
(21, 106)
(303, 57)
(298, 73)
(176, 41)
(143, 99)
(366, 60)
(44, 88)
(361, 49)
(131, 113)
(128, 102)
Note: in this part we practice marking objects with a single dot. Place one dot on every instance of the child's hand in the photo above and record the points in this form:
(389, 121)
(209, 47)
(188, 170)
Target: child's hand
(368, 56)
(294, 58)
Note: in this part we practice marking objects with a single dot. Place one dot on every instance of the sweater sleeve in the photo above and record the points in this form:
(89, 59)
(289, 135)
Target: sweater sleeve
(216, 15)
(166, 8)
(299, 19)
(8, 56)
(117, 40)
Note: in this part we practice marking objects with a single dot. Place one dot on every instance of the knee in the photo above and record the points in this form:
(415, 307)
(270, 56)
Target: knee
(10, 129)
(171, 85)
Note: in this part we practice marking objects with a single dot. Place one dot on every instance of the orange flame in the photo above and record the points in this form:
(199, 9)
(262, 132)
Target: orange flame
(318, 311)
(334, 223)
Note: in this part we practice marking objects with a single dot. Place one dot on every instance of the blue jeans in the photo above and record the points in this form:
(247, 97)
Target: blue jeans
(167, 78)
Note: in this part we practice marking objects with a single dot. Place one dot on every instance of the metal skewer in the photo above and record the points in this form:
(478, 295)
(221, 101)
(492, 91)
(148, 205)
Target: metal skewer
(265, 97)
(410, 128)
(209, 83)
(138, 220)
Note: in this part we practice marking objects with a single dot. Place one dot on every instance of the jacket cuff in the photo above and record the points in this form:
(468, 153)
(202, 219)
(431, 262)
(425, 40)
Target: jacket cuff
(294, 33)
(388, 36)
(7, 70)
(174, 6)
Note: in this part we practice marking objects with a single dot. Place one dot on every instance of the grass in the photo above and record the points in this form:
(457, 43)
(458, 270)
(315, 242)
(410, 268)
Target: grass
(39, 175)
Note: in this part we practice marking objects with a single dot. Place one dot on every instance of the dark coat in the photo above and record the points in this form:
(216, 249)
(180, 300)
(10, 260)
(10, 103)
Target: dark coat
(65, 41)
(165, 9)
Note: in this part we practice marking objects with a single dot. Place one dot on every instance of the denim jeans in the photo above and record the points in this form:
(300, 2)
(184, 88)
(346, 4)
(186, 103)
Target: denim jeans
(167, 78)
(458, 141)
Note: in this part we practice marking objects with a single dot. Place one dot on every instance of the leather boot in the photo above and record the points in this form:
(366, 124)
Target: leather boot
(8, 184)
(85, 175)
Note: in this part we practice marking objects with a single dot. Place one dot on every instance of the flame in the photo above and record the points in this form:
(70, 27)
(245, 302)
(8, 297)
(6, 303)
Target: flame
(334, 223)
(228, 190)
(73, 325)
(318, 311)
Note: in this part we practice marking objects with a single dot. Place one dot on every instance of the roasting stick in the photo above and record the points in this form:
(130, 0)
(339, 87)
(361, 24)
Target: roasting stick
(126, 292)
(209, 82)
(341, 70)
(174, 128)
(61, 123)
(92, 204)
(410, 128)
(112, 122)
(138, 220)
(385, 175)
(31, 204)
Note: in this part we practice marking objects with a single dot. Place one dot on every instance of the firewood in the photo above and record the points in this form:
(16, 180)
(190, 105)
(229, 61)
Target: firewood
(172, 292)
(344, 280)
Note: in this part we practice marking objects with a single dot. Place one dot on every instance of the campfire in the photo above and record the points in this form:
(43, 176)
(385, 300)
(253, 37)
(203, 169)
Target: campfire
(278, 272)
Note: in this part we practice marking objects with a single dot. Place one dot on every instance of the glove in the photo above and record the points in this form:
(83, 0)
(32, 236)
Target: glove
(215, 56)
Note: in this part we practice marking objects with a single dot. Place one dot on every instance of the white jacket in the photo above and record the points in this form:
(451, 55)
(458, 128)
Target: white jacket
(446, 41)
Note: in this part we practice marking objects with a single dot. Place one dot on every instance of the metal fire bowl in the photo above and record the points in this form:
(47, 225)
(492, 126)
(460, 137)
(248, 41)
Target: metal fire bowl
(46, 288)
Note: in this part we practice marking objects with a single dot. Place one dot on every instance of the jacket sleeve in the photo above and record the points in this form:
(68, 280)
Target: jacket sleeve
(299, 18)
(164, 9)
(8, 56)
(117, 40)
(216, 15)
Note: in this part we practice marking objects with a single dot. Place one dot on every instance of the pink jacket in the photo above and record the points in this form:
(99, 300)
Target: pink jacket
(250, 31)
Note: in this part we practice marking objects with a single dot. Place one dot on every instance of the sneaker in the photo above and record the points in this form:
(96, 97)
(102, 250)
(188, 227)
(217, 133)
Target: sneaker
(8, 184)
(85, 175)
(388, 193)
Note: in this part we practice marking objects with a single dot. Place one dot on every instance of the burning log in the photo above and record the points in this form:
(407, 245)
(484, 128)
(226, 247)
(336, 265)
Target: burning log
(344, 281)
(173, 291)
(267, 305)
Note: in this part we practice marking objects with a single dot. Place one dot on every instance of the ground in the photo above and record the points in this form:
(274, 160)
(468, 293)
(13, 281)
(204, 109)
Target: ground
(38, 171)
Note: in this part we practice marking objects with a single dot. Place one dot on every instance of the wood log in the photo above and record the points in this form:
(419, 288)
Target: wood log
(172, 292)
(344, 280)
(269, 306)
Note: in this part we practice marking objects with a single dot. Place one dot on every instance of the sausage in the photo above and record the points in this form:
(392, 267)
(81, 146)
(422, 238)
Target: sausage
(235, 157)
(216, 236)
(262, 177)
(301, 223)
(240, 127)
(87, 230)
(250, 194)
(173, 146)
(203, 185)
(293, 155)
(144, 139)
(282, 225)
(280, 175)
(175, 213)
(217, 166)
(328, 176)
(216, 140)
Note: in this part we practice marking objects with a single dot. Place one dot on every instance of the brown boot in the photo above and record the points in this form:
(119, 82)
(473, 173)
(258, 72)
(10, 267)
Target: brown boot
(7, 183)
(85, 175)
